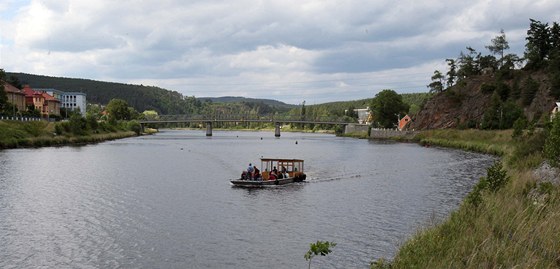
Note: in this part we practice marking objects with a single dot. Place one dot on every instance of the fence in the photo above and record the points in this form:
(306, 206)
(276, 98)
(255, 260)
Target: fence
(17, 118)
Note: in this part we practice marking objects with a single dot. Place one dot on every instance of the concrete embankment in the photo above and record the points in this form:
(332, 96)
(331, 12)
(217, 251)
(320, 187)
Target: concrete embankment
(392, 134)
(378, 133)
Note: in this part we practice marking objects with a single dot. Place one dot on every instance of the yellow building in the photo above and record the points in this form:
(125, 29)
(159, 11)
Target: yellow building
(15, 97)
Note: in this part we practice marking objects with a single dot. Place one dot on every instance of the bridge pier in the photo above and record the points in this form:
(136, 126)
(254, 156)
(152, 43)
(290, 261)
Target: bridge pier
(277, 129)
(208, 128)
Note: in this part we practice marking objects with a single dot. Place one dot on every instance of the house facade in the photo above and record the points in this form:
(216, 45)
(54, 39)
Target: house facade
(43, 102)
(363, 115)
(51, 105)
(75, 101)
(15, 96)
(404, 122)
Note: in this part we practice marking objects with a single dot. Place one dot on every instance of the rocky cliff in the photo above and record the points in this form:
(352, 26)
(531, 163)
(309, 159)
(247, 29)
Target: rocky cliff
(464, 104)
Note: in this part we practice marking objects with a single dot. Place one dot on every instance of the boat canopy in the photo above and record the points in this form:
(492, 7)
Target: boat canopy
(291, 165)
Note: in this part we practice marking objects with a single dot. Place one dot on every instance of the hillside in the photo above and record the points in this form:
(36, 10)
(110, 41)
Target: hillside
(143, 97)
(98, 92)
(239, 99)
(464, 105)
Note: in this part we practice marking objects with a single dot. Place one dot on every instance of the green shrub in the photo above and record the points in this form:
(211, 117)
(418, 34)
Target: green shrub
(134, 126)
(496, 177)
(530, 88)
(552, 143)
(518, 127)
(58, 129)
(487, 88)
(78, 125)
(474, 198)
(92, 123)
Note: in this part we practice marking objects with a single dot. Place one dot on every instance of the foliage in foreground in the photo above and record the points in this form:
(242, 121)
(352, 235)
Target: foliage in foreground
(320, 248)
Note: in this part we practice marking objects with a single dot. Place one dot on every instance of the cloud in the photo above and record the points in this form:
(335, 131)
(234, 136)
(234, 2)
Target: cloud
(322, 50)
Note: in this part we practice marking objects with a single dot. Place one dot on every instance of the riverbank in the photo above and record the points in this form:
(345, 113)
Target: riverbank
(15, 134)
(515, 226)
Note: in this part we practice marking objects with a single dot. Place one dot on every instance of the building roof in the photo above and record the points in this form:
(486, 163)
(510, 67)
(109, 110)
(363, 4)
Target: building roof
(404, 121)
(9, 88)
(49, 97)
(29, 91)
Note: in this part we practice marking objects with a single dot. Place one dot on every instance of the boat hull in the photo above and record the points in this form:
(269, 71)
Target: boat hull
(265, 183)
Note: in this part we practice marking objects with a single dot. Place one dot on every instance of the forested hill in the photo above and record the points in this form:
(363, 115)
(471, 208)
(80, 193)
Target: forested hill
(239, 99)
(138, 96)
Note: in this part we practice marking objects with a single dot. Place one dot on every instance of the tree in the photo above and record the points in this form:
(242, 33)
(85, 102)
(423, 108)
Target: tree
(3, 95)
(530, 88)
(468, 63)
(303, 110)
(386, 107)
(538, 44)
(118, 110)
(14, 81)
(319, 248)
(498, 46)
(452, 73)
(437, 82)
(78, 125)
(493, 114)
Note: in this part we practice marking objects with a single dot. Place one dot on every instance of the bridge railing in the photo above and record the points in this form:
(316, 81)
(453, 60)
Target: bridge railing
(249, 117)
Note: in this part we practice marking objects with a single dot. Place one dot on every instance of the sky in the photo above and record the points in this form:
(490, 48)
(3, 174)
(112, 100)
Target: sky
(287, 50)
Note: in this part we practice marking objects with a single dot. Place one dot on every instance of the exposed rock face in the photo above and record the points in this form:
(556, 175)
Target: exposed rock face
(465, 104)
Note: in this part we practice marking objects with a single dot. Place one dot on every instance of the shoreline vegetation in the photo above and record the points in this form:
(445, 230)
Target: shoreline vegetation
(510, 218)
(15, 134)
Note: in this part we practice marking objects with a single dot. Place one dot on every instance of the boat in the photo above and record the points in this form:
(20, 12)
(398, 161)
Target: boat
(288, 171)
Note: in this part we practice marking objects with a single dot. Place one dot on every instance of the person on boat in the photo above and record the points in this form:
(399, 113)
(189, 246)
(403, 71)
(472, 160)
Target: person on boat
(274, 170)
(244, 175)
(272, 176)
(256, 173)
(250, 171)
(284, 172)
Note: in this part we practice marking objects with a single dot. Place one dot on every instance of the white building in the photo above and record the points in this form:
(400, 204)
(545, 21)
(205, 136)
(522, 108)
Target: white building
(555, 110)
(363, 115)
(70, 100)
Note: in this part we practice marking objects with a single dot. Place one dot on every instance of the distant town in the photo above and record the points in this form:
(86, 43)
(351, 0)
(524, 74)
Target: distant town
(47, 102)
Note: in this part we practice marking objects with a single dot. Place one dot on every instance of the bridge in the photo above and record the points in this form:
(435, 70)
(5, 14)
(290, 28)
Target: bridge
(209, 119)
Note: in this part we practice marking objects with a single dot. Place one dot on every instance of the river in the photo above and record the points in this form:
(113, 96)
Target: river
(164, 201)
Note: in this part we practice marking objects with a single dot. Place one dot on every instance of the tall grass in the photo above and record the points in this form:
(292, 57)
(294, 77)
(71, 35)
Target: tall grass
(490, 142)
(517, 226)
(40, 134)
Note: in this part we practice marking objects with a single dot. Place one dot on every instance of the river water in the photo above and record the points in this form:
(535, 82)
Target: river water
(164, 201)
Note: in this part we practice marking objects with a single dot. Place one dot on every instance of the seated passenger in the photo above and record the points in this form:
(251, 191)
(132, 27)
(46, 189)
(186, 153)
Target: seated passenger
(256, 173)
(272, 176)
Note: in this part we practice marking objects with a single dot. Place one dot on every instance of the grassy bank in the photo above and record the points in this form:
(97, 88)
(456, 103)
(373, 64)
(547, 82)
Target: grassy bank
(491, 142)
(513, 227)
(14, 134)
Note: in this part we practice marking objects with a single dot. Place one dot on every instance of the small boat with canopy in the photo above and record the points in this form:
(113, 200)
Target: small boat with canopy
(272, 172)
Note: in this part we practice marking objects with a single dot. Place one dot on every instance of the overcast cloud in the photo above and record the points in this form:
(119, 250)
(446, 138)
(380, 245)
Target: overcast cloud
(317, 51)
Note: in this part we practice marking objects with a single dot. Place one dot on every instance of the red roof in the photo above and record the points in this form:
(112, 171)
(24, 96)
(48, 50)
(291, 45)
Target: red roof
(49, 97)
(28, 91)
(404, 121)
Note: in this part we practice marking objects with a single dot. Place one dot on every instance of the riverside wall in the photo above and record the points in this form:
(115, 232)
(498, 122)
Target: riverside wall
(377, 133)
(353, 128)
